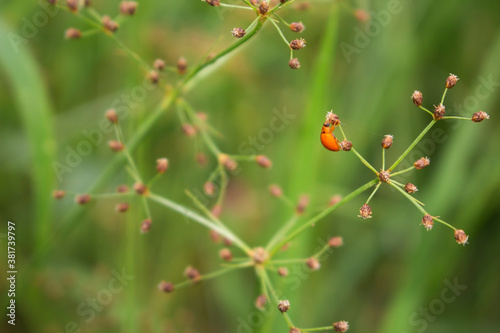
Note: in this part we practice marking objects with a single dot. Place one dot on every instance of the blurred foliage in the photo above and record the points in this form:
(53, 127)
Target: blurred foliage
(389, 268)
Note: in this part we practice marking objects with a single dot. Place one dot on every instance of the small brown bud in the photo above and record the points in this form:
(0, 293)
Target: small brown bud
(154, 77)
(216, 238)
(384, 176)
(259, 255)
(417, 98)
(217, 210)
(159, 64)
(297, 44)
(227, 241)
(365, 212)
(341, 326)
(336, 242)
(294, 330)
(263, 161)
(128, 7)
(87, 3)
(166, 287)
(228, 162)
(439, 111)
(209, 188)
(82, 199)
(182, 65)
(263, 7)
(112, 116)
(313, 264)
(332, 118)
(283, 1)
(201, 159)
(162, 165)
(284, 306)
(294, 63)
(116, 145)
(238, 32)
(275, 190)
(202, 116)
(140, 188)
(192, 273)
(362, 15)
(122, 189)
(261, 301)
(72, 33)
(285, 247)
(334, 200)
(410, 188)
(427, 222)
(72, 5)
(461, 237)
(58, 194)
(387, 141)
(109, 24)
(52, 2)
(213, 2)
(146, 226)
(451, 81)
(422, 163)
(302, 204)
(480, 116)
(346, 145)
(121, 207)
(189, 130)
(225, 254)
(297, 26)
(283, 271)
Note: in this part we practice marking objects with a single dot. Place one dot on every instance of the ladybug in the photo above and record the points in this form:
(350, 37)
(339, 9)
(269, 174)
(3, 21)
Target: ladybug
(329, 140)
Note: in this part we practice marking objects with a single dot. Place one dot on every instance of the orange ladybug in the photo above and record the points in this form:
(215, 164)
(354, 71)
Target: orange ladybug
(329, 140)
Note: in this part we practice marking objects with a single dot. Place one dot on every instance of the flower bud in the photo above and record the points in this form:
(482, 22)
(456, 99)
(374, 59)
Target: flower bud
(365, 212)
(313, 264)
(58, 194)
(439, 111)
(410, 188)
(217, 210)
(263, 7)
(451, 81)
(480, 116)
(201, 159)
(193, 274)
(362, 15)
(417, 98)
(128, 7)
(275, 190)
(259, 255)
(182, 65)
(294, 330)
(334, 200)
(284, 306)
(263, 161)
(384, 176)
(294, 63)
(282, 271)
(166, 287)
(341, 326)
(82, 199)
(225, 254)
(146, 226)
(261, 301)
(302, 204)
(72, 33)
(140, 188)
(332, 118)
(422, 163)
(122, 189)
(335, 242)
(297, 44)
(427, 222)
(159, 64)
(346, 145)
(121, 207)
(228, 162)
(213, 2)
(297, 26)
(461, 237)
(216, 238)
(112, 116)
(227, 241)
(387, 141)
(162, 165)
(109, 24)
(116, 145)
(238, 32)
(154, 77)
(189, 130)
(72, 5)
(209, 188)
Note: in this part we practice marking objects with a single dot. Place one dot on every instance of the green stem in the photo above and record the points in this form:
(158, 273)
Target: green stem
(421, 107)
(403, 171)
(326, 328)
(444, 95)
(420, 208)
(280, 32)
(273, 293)
(455, 117)
(282, 231)
(373, 193)
(365, 162)
(236, 6)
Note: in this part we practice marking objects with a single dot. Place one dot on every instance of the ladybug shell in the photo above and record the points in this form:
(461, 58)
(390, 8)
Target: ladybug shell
(329, 140)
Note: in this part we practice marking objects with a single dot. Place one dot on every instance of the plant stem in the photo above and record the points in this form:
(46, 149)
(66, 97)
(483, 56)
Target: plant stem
(235, 6)
(273, 293)
(444, 95)
(421, 107)
(455, 117)
(280, 32)
(403, 171)
(282, 231)
(420, 208)
(326, 328)
(373, 193)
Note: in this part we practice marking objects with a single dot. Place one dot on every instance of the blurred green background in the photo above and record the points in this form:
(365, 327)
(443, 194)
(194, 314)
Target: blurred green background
(388, 272)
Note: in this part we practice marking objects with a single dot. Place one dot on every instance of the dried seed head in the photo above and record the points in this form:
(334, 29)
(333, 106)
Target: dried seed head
(146, 226)
(116, 145)
(422, 163)
(82, 199)
(159, 64)
(384, 176)
(213, 2)
(341, 326)
(182, 65)
(154, 77)
(451, 81)
(428, 221)
(201, 159)
(216, 238)
(346, 145)
(228, 162)
(284, 306)
(128, 7)
(217, 210)
(72, 33)
(294, 330)
(121, 207)
(261, 301)
(238, 32)
(112, 116)
(122, 189)
(109, 24)
(302, 204)
(362, 15)
(263, 161)
(58, 194)
(72, 5)
(259, 255)
(297, 44)
(227, 241)
(332, 118)
(480, 116)
(461, 237)
(263, 7)
(140, 188)
(275, 190)
(387, 141)
(166, 287)
(162, 165)
(209, 188)
(334, 200)
(282, 271)
(417, 98)
(313, 264)
(336, 242)
(189, 130)
(294, 63)
(225, 254)
(365, 212)
(410, 188)
(192, 273)
(297, 26)
(439, 111)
